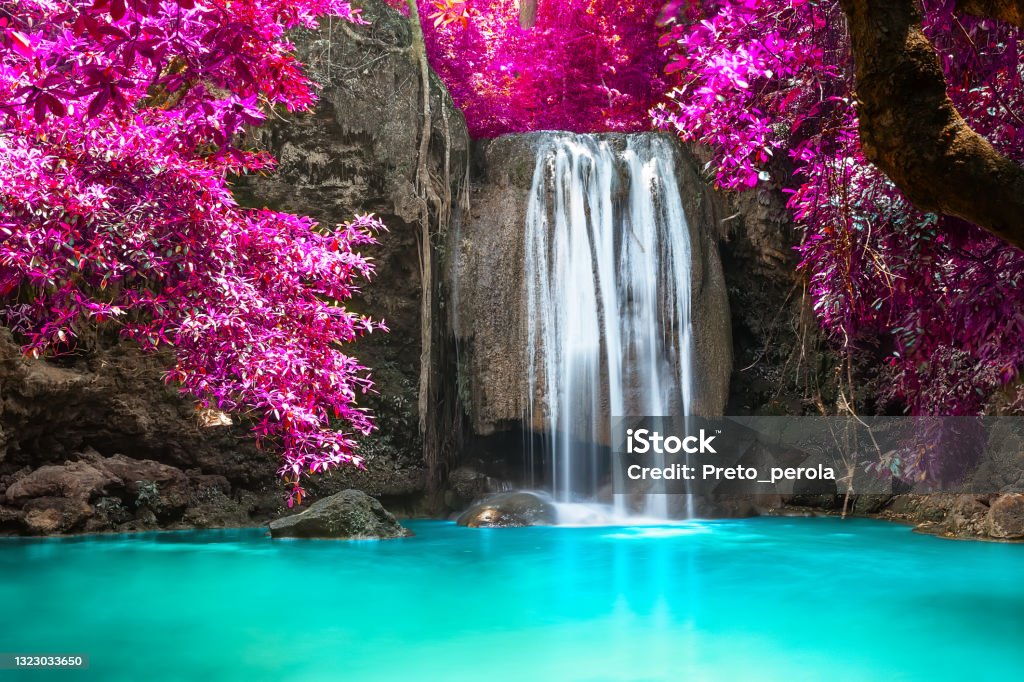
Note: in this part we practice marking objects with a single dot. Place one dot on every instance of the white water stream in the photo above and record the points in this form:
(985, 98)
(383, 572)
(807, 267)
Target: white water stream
(607, 259)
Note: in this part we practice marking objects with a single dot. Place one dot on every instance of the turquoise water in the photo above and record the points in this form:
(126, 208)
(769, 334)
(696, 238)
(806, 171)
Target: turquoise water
(762, 599)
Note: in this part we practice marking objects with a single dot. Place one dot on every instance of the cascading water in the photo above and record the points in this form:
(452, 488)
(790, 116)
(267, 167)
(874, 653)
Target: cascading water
(608, 278)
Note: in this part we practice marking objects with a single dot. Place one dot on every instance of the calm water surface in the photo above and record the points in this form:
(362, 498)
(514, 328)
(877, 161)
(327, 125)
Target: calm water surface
(758, 599)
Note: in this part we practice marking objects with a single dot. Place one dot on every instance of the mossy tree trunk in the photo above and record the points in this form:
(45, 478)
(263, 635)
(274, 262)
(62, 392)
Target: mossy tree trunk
(910, 129)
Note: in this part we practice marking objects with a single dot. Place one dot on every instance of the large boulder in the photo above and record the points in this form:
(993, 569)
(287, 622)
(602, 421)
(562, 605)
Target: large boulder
(348, 515)
(53, 515)
(1006, 517)
(73, 480)
(510, 510)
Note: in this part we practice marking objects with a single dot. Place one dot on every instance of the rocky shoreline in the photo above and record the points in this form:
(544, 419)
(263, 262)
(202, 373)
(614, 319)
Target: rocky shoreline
(97, 494)
(991, 517)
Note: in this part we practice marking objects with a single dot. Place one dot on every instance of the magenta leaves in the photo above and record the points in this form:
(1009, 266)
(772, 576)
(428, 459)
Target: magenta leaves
(585, 66)
(940, 301)
(118, 135)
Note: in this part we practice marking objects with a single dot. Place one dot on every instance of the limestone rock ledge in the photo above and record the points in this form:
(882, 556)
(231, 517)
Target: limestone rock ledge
(96, 493)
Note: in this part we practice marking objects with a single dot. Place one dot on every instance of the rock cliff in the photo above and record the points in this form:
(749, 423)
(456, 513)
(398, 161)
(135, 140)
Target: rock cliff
(95, 441)
(358, 152)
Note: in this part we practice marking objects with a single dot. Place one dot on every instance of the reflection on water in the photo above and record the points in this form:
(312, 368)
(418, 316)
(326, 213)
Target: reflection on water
(766, 599)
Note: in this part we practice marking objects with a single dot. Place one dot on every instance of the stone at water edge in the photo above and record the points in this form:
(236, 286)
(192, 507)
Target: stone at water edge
(466, 485)
(1006, 517)
(348, 515)
(509, 510)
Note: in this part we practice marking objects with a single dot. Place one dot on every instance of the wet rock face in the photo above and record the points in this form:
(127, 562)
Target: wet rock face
(63, 423)
(782, 362)
(489, 288)
(357, 152)
(111, 398)
(466, 485)
(509, 510)
(348, 515)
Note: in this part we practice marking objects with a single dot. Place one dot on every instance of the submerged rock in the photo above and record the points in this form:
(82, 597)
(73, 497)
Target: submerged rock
(348, 515)
(510, 510)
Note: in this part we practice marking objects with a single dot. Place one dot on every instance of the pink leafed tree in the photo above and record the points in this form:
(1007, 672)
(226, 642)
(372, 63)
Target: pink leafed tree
(580, 65)
(118, 134)
(769, 88)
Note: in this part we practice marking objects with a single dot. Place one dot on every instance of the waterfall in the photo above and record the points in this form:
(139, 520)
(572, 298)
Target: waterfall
(607, 263)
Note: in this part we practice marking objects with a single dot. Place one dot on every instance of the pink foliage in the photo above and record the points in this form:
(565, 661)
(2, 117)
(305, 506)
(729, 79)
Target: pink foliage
(941, 301)
(585, 66)
(116, 141)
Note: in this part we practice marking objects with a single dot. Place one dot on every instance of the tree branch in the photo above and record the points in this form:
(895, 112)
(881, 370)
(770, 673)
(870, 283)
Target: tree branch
(1010, 11)
(527, 13)
(910, 129)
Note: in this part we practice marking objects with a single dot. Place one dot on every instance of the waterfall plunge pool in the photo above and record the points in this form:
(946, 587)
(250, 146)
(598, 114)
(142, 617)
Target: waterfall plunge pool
(765, 599)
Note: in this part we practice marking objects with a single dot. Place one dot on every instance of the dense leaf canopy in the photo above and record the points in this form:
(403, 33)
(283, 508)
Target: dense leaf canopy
(939, 300)
(116, 140)
(585, 65)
